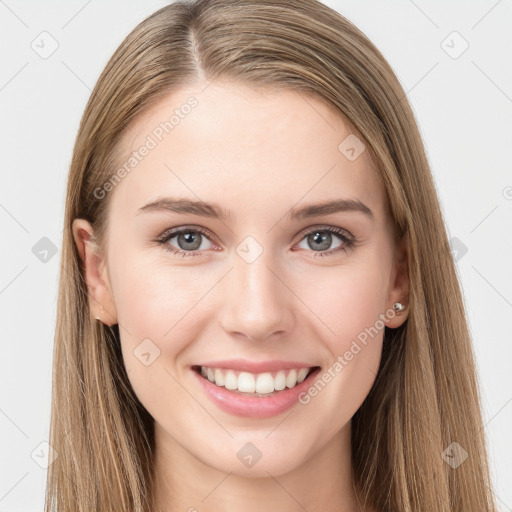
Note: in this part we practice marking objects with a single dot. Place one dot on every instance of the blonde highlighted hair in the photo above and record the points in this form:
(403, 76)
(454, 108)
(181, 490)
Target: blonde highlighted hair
(425, 395)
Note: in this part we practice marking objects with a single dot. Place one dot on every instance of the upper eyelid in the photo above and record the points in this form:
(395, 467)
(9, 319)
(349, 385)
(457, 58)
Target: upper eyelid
(171, 232)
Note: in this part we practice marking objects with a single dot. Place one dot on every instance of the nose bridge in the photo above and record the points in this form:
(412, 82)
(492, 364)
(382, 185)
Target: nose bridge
(257, 301)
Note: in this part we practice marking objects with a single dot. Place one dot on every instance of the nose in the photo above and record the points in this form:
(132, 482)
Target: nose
(256, 302)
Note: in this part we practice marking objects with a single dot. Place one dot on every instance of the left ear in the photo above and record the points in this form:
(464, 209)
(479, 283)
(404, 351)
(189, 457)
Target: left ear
(399, 284)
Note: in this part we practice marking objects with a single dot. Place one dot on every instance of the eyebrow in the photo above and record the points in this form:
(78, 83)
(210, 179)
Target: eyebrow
(205, 209)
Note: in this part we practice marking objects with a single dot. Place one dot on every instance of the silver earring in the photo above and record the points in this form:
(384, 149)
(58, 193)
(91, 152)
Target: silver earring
(398, 307)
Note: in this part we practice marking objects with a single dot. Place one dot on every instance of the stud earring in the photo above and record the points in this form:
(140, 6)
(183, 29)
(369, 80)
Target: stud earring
(101, 313)
(398, 307)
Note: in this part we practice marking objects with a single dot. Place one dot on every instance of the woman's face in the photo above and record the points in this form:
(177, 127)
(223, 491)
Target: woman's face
(272, 280)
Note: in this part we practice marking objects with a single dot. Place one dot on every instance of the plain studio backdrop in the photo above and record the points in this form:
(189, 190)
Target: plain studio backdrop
(454, 62)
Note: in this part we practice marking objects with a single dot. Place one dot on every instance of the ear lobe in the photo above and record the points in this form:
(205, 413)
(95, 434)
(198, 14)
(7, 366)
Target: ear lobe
(399, 284)
(101, 300)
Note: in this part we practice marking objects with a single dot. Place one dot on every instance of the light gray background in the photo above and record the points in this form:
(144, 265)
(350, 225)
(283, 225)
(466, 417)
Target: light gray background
(464, 109)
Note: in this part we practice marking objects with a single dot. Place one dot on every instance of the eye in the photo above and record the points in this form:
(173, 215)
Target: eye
(321, 238)
(190, 240)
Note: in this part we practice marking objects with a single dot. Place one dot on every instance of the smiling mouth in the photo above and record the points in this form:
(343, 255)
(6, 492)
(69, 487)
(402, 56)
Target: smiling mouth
(262, 385)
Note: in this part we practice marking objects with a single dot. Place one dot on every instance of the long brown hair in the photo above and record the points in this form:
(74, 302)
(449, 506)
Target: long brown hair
(425, 396)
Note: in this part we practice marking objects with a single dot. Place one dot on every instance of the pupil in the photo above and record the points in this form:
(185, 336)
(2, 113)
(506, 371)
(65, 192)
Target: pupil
(191, 238)
(318, 237)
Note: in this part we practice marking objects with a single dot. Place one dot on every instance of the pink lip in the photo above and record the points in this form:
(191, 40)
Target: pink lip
(254, 407)
(253, 367)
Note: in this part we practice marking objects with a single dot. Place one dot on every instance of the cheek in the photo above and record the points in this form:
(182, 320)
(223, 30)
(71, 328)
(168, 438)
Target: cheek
(155, 312)
(342, 386)
(349, 303)
(345, 300)
(159, 310)
(354, 317)
(153, 298)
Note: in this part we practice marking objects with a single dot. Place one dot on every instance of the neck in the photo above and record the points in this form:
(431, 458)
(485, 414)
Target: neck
(322, 482)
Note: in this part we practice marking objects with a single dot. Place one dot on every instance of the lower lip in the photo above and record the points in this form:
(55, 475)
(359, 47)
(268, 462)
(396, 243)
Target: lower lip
(254, 407)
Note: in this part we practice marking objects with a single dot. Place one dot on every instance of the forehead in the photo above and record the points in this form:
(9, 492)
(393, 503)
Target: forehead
(249, 149)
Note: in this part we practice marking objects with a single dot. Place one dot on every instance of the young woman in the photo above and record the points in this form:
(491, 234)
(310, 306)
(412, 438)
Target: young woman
(258, 307)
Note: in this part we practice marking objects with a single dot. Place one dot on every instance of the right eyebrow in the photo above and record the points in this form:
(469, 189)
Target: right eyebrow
(185, 206)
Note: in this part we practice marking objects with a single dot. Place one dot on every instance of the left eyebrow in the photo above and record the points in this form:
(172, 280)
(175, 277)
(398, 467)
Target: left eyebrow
(330, 207)
(212, 210)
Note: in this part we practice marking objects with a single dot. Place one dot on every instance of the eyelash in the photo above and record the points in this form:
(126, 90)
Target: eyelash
(348, 242)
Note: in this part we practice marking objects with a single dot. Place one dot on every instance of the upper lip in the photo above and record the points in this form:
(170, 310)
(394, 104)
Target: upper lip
(256, 367)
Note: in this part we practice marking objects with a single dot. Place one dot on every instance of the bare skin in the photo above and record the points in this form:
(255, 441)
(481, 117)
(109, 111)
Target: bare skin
(260, 155)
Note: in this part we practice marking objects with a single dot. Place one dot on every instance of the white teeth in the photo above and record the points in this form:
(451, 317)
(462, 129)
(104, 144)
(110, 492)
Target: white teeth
(280, 381)
(291, 379)
(258, 384)
(230, 381)
(219, 378)
(265, 383)
(246, 382)
(302, 374)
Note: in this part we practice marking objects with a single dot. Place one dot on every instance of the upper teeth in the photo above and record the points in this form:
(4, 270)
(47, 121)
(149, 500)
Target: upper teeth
(255, 383)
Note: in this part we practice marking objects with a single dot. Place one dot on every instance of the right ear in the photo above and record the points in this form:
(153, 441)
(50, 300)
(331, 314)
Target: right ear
(101, 299)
